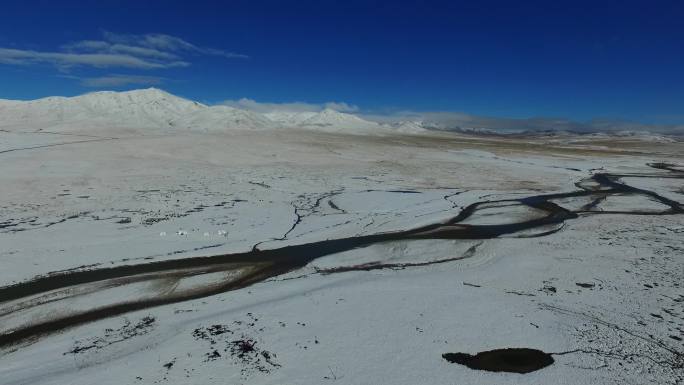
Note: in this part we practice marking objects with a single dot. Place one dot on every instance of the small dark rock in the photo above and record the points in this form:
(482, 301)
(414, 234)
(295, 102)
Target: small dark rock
(513, 360)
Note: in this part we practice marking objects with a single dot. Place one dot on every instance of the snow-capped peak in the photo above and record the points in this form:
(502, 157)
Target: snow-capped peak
(139, 108)
(325, 120)
(409, 127)
(332, 120)
(154, 109)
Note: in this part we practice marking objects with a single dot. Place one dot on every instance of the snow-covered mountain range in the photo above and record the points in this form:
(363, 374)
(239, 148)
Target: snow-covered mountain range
(154, 108)
(151, 109)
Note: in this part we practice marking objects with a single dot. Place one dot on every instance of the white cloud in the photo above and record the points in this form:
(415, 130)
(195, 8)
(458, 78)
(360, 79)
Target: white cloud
(106, 47)
(68, 60)
(151, 40)
(115, 80)
(145, 52)
(252, 105)
(341, 107)
(86, 45)
(165, 43)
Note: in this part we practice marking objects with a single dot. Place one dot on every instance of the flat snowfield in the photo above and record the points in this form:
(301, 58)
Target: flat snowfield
(293, 256)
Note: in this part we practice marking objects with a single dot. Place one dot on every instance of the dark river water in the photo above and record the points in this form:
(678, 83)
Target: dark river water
(258, 265)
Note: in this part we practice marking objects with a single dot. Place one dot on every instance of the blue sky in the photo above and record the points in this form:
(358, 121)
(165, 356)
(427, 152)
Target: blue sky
(617, 60)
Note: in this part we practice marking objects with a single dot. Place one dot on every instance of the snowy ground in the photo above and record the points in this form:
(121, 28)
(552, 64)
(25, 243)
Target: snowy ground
(605, 292)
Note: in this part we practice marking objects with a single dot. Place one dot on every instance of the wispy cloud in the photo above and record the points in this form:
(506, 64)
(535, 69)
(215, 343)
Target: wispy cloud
(252, 105)
(106, 47)
(116, 81)
(67, 60)
(341, 107)
(142, 52)
(156, 43)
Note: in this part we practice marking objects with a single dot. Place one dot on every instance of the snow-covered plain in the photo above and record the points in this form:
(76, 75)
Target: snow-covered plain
(115, 179)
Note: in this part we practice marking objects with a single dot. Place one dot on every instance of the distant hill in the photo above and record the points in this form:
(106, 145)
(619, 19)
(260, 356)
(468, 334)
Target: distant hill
(154, 108)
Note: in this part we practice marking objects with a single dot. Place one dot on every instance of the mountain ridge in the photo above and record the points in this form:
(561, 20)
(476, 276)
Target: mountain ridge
(155, 108)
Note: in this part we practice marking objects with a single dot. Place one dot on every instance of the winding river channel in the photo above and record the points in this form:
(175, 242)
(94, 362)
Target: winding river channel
(88, 295)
